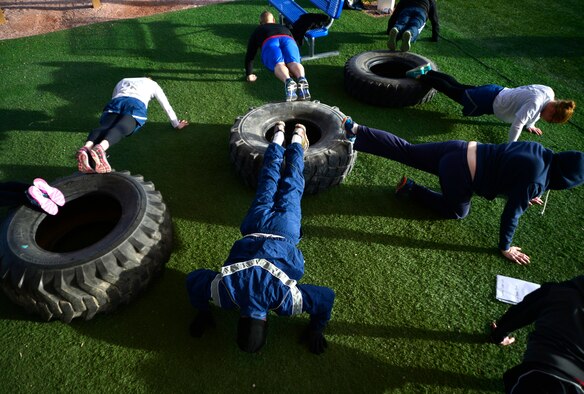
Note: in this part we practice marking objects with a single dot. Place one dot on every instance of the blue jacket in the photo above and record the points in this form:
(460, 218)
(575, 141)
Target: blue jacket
(260, 275)
(522, 171)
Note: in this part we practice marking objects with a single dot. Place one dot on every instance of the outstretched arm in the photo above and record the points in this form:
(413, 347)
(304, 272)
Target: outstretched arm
(433, 15)
(163, 101)
(520, 315)
(318, 302)
(252, 49)
(517, 203)
(199, 290)
(522, 117)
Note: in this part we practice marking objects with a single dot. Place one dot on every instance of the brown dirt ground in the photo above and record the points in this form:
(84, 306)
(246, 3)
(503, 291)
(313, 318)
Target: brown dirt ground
(25, 18)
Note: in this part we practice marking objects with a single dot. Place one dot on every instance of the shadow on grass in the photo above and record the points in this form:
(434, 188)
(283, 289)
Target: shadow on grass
(158, 323)
(23, 120)
(84, 104)
(522, 46)
(27, 173)
(367, 330)
(391, 240)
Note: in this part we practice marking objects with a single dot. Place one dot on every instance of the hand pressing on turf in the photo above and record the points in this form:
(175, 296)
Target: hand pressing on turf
(316, 341)
(182, 124)
(201, 322)
(536, 201)
(515, 254)
(535, 130)
(252, 78)
(507, 340)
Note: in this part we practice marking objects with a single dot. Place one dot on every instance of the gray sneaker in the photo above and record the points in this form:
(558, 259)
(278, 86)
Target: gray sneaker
(290, 89)
(391, 42)
(302, 92)
(406, 41)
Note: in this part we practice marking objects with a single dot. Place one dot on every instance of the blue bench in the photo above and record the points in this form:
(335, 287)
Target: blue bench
(291, 11)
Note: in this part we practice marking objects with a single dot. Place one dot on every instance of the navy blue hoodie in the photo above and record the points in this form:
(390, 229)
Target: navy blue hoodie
(521, 171)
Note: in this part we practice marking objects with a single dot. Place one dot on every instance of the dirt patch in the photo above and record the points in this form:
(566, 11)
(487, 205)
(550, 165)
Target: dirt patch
(25, 18)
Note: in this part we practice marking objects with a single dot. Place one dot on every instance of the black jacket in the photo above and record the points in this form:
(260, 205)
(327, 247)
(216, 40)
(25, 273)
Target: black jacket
(558, 339)
(259, 35)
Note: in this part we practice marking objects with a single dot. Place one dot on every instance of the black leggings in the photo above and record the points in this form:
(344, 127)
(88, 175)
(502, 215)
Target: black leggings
(446, 84)
(13, 193)
(112, 128)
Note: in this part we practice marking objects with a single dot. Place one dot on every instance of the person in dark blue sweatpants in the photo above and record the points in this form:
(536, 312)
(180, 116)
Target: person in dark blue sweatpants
(262, 269)
(519, 171)
(446, 159)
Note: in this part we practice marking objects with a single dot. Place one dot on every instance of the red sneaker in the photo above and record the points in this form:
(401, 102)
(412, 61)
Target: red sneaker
(101, 164)
(83, 161)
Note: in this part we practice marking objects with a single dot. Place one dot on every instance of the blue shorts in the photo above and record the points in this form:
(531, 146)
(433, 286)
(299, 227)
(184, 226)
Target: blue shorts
(479, 100)
(279, 49)
(128, 106)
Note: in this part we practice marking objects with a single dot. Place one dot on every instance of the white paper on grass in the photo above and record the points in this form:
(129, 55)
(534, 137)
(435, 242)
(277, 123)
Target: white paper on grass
(512, 291)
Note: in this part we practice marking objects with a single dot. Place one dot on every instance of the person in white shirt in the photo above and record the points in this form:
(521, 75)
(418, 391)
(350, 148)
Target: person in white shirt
(522, 106)
(124, 115)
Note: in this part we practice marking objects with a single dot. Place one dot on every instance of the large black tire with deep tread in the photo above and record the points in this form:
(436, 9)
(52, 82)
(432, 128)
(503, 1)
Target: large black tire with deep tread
(328, 160)
(106, 244)
(379, 78)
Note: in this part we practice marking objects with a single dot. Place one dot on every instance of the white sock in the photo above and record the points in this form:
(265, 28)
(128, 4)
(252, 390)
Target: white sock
(278, 138)
(296, 138)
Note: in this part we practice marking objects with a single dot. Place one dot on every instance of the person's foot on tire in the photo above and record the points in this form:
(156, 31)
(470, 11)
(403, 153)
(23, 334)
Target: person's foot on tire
(279, 129)
(290, 89)
(416, 73)
(83, 161)
(101, 164)
(52, 193)
(302, 91)
(279, 126)
(39, 199)
(300, 131)
(349, 127)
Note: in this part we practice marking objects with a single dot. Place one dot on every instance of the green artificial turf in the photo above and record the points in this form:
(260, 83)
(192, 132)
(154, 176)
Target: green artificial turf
(414, 292)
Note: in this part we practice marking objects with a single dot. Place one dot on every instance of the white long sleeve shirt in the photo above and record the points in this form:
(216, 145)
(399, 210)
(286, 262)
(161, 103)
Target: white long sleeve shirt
(145, 89)
(521, 106)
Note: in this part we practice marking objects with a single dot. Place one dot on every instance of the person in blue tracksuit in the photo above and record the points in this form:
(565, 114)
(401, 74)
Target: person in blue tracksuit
(263, 268)
(554, 359)
(519, 171)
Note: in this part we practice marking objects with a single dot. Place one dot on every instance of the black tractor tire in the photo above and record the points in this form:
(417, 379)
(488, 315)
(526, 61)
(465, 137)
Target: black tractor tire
(113, 235)
(328, 160)
(379, 78)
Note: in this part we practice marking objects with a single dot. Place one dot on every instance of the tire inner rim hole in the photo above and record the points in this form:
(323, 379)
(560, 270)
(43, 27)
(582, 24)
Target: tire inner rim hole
(313, 131)
(391, 69)
(79, 224)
